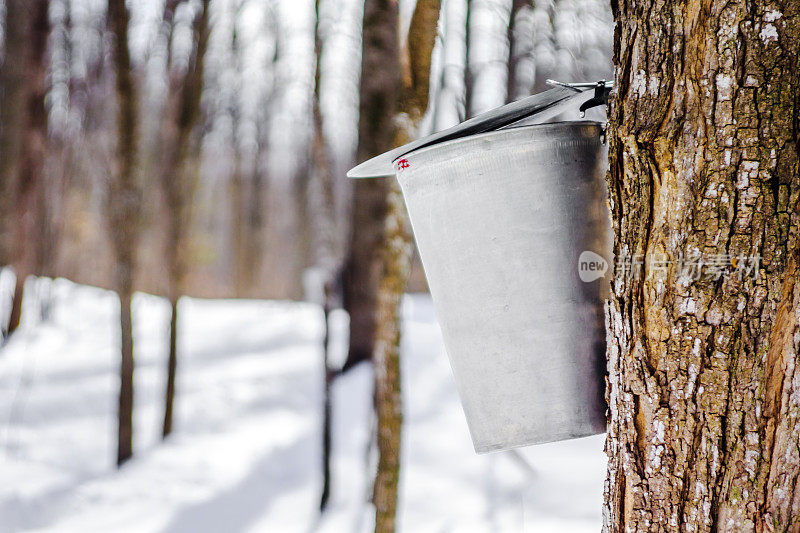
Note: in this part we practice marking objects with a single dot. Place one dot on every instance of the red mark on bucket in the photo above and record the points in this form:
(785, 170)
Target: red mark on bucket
(403, 164)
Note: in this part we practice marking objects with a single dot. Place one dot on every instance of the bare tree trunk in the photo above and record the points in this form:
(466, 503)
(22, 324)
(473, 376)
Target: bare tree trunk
(361, 270)
(326, 413)
(303, 238)
(704, 380)
(125, 408)
(239, 193)
(325, 246)
(172, 367)
(255, 217)
(12, 118)
(450, 106)
(238, 221)
(469, 73)
(25, 138)
(487, 54)
(379, 98)
(512, 36)
(380, 84)
(177, 180)
(125, 198)
(521, 66)
(544, 42)
(396, 258)
(62, 164)
(395, 266)
(15, 316)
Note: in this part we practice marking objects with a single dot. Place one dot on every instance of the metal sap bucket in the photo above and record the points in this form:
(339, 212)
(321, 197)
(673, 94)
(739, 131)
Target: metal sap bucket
(501, 220)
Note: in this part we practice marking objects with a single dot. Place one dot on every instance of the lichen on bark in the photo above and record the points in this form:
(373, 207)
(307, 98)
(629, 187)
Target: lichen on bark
(395, 264)
(704, 385)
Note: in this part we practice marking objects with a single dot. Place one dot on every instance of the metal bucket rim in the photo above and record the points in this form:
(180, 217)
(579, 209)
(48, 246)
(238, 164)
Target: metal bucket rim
(538, 129)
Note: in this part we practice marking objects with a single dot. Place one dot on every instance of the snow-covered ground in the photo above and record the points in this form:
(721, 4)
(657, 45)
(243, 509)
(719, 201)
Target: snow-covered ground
(245, 455)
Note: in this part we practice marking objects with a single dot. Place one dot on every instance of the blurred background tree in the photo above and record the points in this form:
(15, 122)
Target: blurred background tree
(178, 173)
(24, 143)
(211, 137)
(124, 207)
(256, 127)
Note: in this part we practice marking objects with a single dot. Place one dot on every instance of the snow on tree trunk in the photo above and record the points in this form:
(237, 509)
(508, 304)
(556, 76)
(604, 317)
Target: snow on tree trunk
(704, 385)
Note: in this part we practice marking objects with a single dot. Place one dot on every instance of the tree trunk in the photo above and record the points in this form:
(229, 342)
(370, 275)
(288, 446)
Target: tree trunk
(325, 246)
(172, 365)
(704, 385)
(521, 66)
(487, 54)
(12, 119)
(362, 267)
(238, 192)
(177, 180)
(237, 235)
(15, 316)
(25, 138)
(125, 412)
(469, 70)
(326, 412)
(449, 109)
(380, 83)
(124, 206)
(396, 263)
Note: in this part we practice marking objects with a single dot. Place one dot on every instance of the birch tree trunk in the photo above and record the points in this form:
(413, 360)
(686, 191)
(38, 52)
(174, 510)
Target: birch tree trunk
(450, 105)
(704, 380)
(521, 64)
(324, 245)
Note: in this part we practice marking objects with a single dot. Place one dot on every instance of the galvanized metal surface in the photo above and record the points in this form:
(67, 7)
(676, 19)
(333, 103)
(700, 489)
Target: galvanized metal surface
(500, 220)
(539, 107)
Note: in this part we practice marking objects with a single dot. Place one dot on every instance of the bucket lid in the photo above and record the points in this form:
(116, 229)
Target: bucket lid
(533, 109)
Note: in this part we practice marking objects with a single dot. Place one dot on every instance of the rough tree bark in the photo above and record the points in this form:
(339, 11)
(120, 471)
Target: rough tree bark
(704, 380)
(24, 139)
(177, 180)
(124, 207)
(415, 62)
